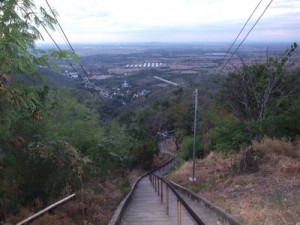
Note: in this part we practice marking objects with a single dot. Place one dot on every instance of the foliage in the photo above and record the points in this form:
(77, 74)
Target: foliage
(19, 56)
(53, 169)
(229, 135)
(180, 116)
(144, 152)
(120, 148)
(19, 25)
(72, 121)
(24, 106)
(174, 112)
(186, 150)
(48, 138)
(259, 91)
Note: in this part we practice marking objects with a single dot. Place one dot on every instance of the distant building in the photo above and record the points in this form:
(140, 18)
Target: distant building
(73, 74)
(125, 84)
(144, 92)
(147, 64)
(70, 74)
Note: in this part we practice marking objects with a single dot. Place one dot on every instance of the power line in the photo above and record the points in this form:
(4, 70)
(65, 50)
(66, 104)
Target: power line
(58, 47)
(66, 38)
(247, 34)
(59, 25)
(240, 31)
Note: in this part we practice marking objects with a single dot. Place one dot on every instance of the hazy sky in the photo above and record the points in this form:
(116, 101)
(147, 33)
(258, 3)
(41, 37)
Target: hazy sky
(93, 21)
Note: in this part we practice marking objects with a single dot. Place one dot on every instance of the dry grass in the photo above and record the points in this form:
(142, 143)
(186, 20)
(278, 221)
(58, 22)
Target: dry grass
(269, 196)
(49, 219)
(98, 201)
(170, 144)
(46, 219)
(94, 205)
(278, 146)
(280, 154)
(160, 159)
(215, 167)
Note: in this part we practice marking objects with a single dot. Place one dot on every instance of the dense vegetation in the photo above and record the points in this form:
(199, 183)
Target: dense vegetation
(53, 141)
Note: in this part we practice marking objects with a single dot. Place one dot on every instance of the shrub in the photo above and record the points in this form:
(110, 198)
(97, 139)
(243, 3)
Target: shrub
(279, 146)
(41, 172)
(186, 150)
(248, 161)
(228, 136)
(144, 152)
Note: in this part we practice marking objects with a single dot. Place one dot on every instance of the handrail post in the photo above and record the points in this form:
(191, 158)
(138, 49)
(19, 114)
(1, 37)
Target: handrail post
(162, 192)
(153, 180)
(178, 212)
(158, 180)
(155, 183)
(167, 199)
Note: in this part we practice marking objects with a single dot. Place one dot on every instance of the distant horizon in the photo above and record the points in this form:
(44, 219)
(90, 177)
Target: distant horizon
(176, 21)
(168, 42)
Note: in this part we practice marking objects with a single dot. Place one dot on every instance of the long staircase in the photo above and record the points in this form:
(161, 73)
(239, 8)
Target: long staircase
(157, 201)
(146, 208)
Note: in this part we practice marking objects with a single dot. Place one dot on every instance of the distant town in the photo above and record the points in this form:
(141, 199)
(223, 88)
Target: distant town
(129, 72)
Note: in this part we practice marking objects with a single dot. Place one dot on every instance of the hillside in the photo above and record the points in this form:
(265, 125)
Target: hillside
(56, 81)
(96, 202)
(271, 195)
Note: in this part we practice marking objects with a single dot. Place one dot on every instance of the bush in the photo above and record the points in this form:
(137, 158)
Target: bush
(39, 173)
(186, 150)
(228, 136)
(278, 146)
(144, 152)
(248, 161)
(283, 124)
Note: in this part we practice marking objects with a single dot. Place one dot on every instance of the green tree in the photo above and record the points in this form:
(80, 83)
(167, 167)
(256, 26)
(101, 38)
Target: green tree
(19, 30)
(186, 150)
(72, 121)
(228, 135)
(20, 105)
(37, 173)
(260, 91)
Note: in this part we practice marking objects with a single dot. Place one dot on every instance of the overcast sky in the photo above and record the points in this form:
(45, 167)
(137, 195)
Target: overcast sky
(96, 21)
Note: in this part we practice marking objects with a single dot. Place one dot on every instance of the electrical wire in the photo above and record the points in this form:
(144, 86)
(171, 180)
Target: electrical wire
(59, 47)
(66, 39)
(247, 34)
(240, 32)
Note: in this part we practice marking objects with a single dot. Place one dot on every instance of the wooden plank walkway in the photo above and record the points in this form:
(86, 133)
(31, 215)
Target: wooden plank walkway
(146, 208)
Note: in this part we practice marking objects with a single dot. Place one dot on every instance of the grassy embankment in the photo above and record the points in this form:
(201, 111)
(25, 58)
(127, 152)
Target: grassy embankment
(271, 195)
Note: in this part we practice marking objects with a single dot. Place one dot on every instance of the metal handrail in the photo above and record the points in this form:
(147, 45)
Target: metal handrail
(179, 198)
(220, 214)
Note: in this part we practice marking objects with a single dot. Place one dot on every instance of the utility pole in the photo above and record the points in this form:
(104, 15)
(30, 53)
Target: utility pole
(192, 179)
